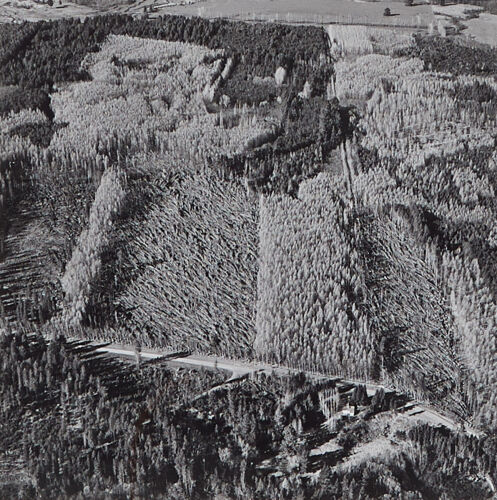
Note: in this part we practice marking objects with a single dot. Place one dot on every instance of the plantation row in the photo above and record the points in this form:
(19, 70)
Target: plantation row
(84, 267)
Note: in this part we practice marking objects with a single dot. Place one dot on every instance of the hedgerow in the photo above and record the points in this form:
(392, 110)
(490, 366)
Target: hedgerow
(84, 265)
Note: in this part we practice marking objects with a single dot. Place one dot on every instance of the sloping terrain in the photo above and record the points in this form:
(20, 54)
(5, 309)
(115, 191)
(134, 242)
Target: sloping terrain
(309, 200)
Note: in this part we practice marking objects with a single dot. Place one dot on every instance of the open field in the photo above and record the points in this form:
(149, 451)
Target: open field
(460, 11)
(294, 11)
(314, 11)
(483, 29)
(27, 10)
(476, 24)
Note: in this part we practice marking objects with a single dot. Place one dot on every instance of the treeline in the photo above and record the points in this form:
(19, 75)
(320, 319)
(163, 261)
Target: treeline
(84, 266)
(14, 38)
(54, 53)
(14, 99)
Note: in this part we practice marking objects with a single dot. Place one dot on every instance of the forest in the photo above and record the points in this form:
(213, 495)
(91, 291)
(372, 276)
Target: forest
(93, 426)
(318, 203)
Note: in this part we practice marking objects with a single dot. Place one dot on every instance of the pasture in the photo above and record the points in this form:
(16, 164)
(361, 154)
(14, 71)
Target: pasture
(292, 11)
(25, 10)
(312, 11)
(483, 29)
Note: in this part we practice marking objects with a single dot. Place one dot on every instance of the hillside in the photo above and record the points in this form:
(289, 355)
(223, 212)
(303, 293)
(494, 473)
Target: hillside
(316, 200)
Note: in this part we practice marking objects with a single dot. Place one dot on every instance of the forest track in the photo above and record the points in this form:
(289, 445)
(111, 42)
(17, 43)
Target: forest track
(241, 369)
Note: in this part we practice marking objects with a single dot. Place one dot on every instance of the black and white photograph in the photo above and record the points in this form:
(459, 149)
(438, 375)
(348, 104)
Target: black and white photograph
(248, 249)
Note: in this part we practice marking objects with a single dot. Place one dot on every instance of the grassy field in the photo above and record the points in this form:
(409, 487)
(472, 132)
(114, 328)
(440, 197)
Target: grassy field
(16, 11)
(344, 11)
(461, 11)
(483, 29)
(312, 11)
(477, 25)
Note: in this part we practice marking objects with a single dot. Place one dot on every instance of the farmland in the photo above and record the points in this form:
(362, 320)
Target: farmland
(18, 11)
(483, 28)
(313, 11)
(316, 199)
(478, 22)
(320, 11)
